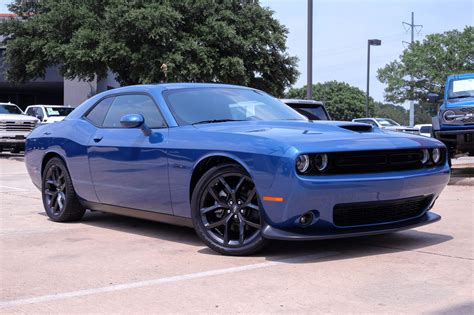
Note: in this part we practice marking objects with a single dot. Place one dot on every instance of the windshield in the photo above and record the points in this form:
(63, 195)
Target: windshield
(461, 88)
(387, 122)
(58, 111)
(207, 105)
(313, 113)
(10, 109)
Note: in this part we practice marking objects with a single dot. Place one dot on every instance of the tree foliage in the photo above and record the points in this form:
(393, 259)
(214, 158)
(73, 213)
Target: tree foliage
(199, 40)
(397, 113)
(429, 62)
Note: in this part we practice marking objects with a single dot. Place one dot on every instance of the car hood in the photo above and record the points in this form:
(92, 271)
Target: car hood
(327, 136)
(17, 117)
(460, 102)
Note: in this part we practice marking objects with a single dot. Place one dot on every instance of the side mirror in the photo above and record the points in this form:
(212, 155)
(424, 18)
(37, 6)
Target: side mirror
(135, 121)
(39, 117)
(433, 98)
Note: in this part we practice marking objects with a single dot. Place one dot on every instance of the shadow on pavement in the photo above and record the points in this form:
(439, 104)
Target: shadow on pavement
(460, 309)
(12, 156)
(411, 240)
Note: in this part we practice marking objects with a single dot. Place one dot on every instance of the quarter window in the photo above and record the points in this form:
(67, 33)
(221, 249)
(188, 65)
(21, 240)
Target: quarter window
(97, 114)
(133, 104)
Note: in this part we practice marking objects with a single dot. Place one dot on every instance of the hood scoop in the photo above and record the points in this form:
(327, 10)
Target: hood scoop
(358, 127)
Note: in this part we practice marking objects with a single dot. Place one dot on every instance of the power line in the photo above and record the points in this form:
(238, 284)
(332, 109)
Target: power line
(412, 27)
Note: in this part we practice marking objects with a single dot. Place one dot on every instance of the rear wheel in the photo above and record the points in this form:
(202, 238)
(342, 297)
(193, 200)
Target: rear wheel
(226, 213)
(59, 198)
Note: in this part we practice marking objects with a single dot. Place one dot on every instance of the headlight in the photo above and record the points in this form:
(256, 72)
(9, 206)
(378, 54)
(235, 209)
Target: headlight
(436, 155)
(425, 156)
(321, 162)
(302, 163)
(449, 115)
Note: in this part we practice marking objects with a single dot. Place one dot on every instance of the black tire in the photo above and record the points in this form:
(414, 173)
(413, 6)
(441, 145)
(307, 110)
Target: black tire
(226, 212)
(59, 198)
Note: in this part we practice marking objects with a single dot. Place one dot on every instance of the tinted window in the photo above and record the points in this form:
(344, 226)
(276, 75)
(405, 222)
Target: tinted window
(10, 109)
(40, 111)
(425, 129)
(133, 104)
(97, 114)
(313, 113)
(198, 105)
(31, 111)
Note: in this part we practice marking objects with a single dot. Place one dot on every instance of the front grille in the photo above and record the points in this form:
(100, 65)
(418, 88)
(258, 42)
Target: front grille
(467, 110)
(375, 161)
(377, 212)
(17, 125)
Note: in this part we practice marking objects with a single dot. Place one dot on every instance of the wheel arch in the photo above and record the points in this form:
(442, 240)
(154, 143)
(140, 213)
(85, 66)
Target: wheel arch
(209, 161)
(48, 156)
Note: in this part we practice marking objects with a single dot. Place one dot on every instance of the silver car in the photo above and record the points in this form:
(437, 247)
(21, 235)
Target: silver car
(387, 124)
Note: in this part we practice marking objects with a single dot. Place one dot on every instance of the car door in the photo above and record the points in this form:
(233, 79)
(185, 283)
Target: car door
(128, 168)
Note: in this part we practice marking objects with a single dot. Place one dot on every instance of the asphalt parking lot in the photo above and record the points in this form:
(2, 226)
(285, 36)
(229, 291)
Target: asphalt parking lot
(113, 264)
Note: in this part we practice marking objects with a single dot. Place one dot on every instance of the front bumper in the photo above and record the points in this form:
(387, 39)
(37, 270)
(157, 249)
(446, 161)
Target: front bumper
(462, 140)
(270, 232)
(321, 195)
(12, 142)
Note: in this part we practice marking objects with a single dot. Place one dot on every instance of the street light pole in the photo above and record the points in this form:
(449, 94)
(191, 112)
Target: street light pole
(370, 42)
(309, 70)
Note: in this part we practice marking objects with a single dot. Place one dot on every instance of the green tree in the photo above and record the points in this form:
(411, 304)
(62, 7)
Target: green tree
(199, 40)
(429, 62)
(343, 101)
(397, 113)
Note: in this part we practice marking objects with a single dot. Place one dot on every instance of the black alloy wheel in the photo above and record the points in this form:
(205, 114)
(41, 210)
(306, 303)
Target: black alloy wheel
(226, 212)
(59, 198)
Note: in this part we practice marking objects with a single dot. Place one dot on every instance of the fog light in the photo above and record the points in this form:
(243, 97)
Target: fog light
(321, 162)
(436, 155)
(425, 156)
(302, 163)
(306, 219)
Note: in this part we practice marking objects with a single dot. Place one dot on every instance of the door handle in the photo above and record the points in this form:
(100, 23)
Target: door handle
(97, 138)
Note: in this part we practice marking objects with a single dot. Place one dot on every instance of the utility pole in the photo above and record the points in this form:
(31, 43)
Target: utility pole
(309, 70)
(412, 26)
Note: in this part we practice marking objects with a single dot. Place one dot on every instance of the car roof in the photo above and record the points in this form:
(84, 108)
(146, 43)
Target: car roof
(8, 104)
(160, 87)
(300, 101)
(460, 76)
(50, 105)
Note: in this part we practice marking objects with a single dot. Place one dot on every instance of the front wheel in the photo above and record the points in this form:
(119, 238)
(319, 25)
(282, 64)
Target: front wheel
(226, 212)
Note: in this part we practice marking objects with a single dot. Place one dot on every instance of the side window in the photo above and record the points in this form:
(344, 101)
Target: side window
(97, 114)
(133, 104)
(30, 111)
(40, 112)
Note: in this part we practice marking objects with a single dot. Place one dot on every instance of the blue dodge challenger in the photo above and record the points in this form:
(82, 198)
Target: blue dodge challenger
(234, 163)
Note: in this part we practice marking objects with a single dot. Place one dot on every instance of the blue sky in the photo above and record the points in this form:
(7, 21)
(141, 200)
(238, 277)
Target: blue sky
(341, 29)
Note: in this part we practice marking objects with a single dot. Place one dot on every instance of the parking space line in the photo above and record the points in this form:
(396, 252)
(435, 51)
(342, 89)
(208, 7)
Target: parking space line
(14, 174)
(10, 189)
(155, 282)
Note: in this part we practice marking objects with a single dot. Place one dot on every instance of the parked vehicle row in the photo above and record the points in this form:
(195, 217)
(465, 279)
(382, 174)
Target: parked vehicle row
(15, 125)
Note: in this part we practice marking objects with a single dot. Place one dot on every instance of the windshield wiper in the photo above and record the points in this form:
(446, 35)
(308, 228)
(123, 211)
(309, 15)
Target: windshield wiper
(210, 121)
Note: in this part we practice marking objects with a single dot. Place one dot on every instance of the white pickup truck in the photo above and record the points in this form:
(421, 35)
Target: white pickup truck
(15, 126)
